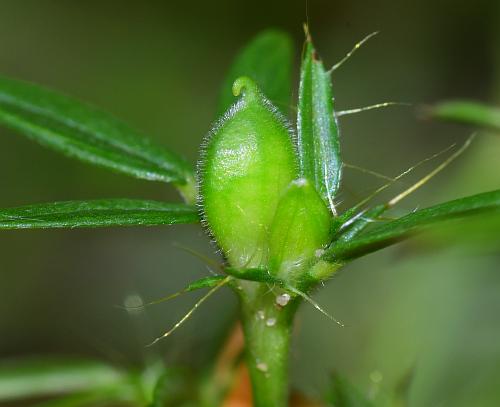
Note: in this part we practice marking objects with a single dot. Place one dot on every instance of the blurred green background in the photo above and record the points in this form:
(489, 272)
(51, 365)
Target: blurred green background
(420, 308)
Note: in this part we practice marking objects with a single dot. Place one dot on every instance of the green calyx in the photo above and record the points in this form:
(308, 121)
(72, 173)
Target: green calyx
(249, 161)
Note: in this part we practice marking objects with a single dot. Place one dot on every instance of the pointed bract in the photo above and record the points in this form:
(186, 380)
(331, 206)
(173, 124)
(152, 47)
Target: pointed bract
(317, 128)
(301, 227)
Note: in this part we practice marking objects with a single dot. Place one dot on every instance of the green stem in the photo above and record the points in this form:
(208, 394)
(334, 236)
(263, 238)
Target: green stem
(267, 327)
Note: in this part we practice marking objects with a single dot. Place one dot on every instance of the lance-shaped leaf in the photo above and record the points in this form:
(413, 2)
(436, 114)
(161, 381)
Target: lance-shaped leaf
(88, 134)
(402, 228)
(171, 389)
(124, 394)
(98, 213)
(353, 225)
(317, 129)
(43, 377)
(467, 112)
(205, 282)
(267, 59)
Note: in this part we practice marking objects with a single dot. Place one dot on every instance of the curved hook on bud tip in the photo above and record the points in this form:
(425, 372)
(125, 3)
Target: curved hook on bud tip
(246, 86)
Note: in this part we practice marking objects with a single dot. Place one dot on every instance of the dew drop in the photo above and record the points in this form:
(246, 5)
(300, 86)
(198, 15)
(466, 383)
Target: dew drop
(283, 299)
(271, 322)
(262, 367)
(261, 315)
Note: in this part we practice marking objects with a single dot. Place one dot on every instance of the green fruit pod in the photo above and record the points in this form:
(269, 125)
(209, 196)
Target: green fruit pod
(247, 163)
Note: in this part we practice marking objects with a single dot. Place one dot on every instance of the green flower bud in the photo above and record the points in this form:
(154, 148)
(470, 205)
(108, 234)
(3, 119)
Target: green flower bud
(248, 162)
(301, 229)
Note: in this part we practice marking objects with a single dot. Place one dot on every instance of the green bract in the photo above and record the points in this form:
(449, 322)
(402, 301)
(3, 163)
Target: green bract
(317, 129)
(301, 228)
(249, 160)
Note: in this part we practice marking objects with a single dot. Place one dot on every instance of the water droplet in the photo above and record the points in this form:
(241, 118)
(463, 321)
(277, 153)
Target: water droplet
(283, 299)
(271, 322)
(261, 314)
(262, 367)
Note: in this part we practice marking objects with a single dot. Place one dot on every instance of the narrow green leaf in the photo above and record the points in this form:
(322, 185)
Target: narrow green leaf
(86, 133)
(267, 59)
(171, 389)
(98, 213)
(342, 393)
(204, 282)
(253, 274)
(353, 224)
(402, 228)
(317, 129)
(45, 377)
(401, 394)
(467, 112)
(100, 397)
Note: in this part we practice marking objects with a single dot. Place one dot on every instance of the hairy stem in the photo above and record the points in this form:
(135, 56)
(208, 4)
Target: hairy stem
(267, 327)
